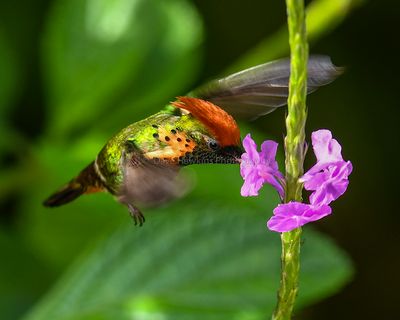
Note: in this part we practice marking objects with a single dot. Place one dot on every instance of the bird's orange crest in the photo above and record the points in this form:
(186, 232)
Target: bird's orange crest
(221, 124)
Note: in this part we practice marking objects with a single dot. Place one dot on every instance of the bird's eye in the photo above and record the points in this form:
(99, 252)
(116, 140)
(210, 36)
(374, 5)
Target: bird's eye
(213, 144)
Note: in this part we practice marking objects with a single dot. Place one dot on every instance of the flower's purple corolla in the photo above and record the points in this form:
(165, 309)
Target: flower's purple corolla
(258, 168)
(328, 179)
(289, 216)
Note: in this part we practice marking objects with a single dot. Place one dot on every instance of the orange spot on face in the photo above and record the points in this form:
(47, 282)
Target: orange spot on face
(221, 124)
(177, 146)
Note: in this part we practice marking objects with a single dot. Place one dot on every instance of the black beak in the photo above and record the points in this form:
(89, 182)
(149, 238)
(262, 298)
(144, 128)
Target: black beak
(232, 154)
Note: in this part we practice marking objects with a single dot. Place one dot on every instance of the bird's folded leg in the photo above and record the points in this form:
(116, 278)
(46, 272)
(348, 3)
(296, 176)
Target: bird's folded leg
(136, 214)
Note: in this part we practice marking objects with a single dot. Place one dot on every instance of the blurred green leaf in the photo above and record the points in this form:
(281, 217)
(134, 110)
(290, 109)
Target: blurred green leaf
(101, 55)
(23, 277)
(197, 261)
(57, 235)
(169, 69)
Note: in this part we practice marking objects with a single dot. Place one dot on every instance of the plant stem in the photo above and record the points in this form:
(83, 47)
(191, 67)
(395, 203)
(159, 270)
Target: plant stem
(295, 152)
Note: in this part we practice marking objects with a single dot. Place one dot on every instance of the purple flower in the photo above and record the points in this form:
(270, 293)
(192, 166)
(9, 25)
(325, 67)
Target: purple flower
(258, 168)
(289, 216)
(328, 179)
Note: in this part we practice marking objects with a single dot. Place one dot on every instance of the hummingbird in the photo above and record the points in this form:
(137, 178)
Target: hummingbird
(140, 165)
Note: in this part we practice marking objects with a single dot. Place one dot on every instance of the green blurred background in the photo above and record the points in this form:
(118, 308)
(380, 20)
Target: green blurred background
(73, 72)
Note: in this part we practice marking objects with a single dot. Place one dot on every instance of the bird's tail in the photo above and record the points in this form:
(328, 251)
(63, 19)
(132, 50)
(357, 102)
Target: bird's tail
(86, 182)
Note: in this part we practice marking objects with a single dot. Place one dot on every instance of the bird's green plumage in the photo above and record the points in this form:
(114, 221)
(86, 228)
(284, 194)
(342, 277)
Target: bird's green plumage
(143, 135)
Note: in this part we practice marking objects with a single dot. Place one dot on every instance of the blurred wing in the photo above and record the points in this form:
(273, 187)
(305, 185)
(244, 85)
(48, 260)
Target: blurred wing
(151, 182)
(259, 90)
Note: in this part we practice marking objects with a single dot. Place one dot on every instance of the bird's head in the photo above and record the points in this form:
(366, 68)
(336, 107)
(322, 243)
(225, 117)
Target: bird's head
(221, 141)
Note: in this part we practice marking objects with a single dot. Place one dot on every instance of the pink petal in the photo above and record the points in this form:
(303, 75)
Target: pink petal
(251, 149)
(329, 192)
(251, 185)
(313, 182)
(268, 151)
(258, 168)
(325, 148)
(329, 184)
(246, 165)
(271, 178)
(292, 215)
